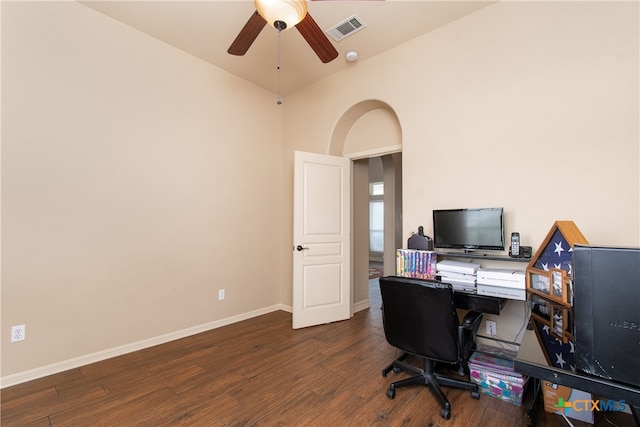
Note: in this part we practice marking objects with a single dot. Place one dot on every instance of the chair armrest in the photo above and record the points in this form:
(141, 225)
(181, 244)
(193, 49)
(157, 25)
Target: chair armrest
(471, 321)
(467, 331)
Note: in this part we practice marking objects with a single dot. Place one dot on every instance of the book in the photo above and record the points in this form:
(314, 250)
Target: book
(416, 263)
(458, 266)
(463, 287)
(445, 277)
(458, 276)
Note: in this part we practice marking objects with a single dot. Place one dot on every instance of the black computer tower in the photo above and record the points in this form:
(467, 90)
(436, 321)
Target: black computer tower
(607, 312)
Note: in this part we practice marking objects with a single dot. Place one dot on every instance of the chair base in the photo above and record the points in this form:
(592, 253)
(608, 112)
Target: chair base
(428, 377)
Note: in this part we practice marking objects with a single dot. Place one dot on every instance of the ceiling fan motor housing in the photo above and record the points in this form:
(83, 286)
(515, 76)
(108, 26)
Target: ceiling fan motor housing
(290, 12)
(305, 24)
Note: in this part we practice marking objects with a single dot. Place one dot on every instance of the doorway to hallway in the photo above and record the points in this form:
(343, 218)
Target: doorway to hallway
(376, 269)
(384, 216)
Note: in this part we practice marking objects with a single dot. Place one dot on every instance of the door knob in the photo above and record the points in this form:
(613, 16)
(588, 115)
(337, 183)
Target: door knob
(300, 248)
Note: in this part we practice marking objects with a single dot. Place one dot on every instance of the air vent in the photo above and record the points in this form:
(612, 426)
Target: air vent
(346, 28)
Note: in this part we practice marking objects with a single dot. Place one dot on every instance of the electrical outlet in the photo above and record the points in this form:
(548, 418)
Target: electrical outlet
(221, 294)
(17, 333)
(491, 328)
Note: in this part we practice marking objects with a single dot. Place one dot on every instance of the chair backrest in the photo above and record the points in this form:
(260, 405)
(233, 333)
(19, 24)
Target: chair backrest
(420, 317)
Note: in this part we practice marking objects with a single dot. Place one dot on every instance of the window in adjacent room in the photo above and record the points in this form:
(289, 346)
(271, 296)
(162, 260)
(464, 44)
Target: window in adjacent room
(376, 217)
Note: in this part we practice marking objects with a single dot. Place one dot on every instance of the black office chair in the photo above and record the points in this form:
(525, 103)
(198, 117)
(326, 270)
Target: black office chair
(420, 319)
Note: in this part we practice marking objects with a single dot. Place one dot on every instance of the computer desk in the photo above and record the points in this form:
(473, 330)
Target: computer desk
(474, 302)
(481, 303)
(532, 362)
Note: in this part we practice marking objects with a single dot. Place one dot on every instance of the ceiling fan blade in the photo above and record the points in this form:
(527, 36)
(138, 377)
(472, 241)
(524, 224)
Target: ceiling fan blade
(317, 39)
(247, 35)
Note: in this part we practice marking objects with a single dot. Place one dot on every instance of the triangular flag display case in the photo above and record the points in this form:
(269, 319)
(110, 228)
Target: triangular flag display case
(549, 279)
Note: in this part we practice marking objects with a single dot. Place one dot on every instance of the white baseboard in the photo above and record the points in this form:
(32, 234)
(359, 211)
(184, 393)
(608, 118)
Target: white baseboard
(287, 308)
(33, 374)
(54, 368)
(361, 305)
(358, 306)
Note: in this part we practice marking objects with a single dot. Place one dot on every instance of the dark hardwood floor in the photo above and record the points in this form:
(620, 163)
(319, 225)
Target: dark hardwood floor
(255, 372)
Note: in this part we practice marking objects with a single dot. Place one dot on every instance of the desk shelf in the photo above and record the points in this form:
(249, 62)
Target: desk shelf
(482, 303)
(482, 256)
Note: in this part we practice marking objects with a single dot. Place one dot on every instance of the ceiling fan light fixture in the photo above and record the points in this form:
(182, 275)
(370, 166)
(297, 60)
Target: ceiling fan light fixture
(291, 12)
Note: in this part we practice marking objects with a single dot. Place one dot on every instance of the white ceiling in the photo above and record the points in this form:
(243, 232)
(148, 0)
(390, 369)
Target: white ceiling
(206, 28)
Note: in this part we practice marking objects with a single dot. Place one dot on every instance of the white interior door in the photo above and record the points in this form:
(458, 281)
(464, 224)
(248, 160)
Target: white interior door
(321, 233)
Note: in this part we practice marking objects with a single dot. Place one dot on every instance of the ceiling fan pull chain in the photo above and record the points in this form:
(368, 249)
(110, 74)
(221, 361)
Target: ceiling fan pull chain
(279, 79)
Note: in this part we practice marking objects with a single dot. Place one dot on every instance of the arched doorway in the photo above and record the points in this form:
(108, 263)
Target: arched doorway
(371, 130)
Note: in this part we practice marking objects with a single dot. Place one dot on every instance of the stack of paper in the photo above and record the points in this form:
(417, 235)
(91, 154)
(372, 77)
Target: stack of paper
(461, 275)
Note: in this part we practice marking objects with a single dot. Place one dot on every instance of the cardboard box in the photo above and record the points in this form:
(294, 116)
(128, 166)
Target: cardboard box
(502, 277)
(501, 292)
(573, 403)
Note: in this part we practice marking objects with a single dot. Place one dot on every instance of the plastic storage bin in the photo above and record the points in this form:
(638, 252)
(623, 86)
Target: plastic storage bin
(495, 376)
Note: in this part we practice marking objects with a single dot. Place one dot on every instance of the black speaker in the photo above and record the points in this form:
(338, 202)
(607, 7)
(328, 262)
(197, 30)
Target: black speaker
(606, 309)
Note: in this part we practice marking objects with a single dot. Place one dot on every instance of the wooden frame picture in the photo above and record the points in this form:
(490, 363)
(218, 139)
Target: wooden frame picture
(552, 284)
(558, 321)
(540, 309)
(554, 316)
(561, 323)
(539, 282)
(560, 288)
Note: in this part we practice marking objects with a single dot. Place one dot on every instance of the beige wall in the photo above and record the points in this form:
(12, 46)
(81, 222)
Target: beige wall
(133, 188)
(546, 89)
(550, 88)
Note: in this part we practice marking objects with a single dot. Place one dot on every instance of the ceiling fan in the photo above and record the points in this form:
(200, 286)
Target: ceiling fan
(283, 14)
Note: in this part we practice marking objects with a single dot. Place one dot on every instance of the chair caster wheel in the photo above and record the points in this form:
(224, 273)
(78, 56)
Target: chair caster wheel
(396, 370)
(475, 395)
(391, 393)
(445, 413)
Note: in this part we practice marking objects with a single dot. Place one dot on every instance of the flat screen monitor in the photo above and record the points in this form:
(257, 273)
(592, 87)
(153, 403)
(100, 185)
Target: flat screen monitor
(469, 229)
